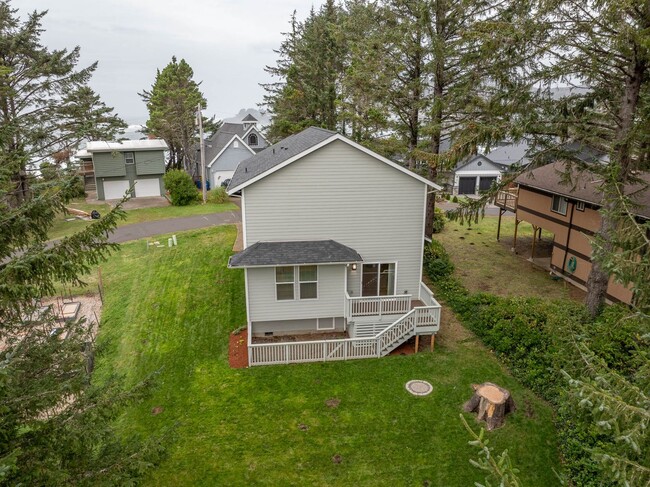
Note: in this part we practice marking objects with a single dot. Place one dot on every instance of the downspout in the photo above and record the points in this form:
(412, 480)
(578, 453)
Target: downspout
(568, 236)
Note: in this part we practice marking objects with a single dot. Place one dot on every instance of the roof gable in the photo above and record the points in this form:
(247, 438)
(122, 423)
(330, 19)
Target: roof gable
(479, 160)
(225, 148)
(296, 147)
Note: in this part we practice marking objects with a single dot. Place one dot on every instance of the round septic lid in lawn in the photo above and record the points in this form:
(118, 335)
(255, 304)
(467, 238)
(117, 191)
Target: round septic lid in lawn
(419, 387)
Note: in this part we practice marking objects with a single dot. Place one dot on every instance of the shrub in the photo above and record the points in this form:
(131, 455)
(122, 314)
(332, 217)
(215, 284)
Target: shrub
(439, 220)
(437, 262)
(218, 195)
(454, 199)
(181, 187)
(535, 339)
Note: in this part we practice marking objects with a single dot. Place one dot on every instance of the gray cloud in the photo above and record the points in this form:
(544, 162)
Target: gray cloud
(226, 42)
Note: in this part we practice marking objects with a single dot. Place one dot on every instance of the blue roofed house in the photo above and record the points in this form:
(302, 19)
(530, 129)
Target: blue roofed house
(332, 271)
(230, 145)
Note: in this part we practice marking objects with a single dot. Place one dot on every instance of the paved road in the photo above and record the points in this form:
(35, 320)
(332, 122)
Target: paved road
(137, 231)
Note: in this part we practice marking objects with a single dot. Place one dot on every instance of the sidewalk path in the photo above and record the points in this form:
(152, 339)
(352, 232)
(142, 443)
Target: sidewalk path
(137, 231)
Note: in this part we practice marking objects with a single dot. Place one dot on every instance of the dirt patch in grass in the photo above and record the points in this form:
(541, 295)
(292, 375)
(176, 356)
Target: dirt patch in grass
(238, 350)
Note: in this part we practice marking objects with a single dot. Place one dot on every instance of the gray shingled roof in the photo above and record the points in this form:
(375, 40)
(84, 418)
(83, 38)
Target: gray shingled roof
(221, 137)
(249, 118)
(278, 153)
(263, 254)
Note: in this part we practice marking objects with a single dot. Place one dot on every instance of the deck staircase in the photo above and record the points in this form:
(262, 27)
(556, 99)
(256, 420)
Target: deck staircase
(368, 339)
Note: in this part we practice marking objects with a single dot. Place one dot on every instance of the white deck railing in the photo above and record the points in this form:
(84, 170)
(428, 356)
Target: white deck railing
(377, 305)
(423, 318)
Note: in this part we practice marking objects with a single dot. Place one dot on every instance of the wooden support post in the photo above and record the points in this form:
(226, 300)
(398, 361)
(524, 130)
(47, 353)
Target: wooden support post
(433, 342)
(514, 240)
(499, 224)
(532, 251)
(417, 343)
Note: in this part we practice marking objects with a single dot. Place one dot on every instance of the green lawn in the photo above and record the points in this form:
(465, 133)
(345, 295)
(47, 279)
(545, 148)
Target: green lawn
(485, 265)
(62, 227)
(172, 310)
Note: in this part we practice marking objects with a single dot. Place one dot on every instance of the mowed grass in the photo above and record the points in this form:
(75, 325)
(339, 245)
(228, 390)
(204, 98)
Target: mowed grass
(172, 310)
(62, 227)
(485, 265)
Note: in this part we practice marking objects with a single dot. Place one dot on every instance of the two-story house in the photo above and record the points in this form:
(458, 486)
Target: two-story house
(333, 238)
(118, 166)
(570, 211)
(228, 146)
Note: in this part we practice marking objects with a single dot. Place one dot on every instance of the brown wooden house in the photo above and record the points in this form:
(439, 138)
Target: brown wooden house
(570, 212)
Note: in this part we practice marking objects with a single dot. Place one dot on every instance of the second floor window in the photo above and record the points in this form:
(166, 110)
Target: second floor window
(129, 158)
(252, 139)
(559, 204)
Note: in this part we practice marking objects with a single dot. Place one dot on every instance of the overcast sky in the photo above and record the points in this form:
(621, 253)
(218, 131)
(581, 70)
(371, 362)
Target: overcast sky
(227, 43)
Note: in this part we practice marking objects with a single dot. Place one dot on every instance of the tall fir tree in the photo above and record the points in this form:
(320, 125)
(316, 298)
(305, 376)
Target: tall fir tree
(309, 70)
(172, 102)
(56, 425)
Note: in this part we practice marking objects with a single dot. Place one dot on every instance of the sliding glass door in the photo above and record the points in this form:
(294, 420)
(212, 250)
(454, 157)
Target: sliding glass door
(378, 279)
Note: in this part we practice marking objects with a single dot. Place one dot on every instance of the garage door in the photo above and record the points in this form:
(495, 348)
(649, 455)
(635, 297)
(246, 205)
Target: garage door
(147, 187)
(485, 183)
(467, 185)
(219, 177)
(114, 190)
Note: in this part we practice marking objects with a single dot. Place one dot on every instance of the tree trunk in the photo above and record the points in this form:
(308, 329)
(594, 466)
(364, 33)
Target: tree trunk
(491, 403)
(598, 277)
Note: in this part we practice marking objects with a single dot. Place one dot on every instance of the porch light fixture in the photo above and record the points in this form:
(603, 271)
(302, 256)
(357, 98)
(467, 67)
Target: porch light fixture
(354, 267)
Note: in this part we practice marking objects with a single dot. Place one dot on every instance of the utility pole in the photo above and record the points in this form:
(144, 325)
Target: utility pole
(199, 119)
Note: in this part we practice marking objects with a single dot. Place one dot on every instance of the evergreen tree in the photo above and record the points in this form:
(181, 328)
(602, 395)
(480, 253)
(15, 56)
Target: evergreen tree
(309, 69)
(45, 104)
(55, 425)
(172, 103)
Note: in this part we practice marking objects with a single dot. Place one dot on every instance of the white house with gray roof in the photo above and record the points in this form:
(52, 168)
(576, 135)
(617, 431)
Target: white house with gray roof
(479, 172)
(333, 238)
(228, 146)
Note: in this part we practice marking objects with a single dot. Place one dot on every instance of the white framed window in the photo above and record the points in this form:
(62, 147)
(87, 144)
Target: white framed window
(252, 139)
(325, 324)
(580, 205)
(378, 279)
(559, 204)
(129, 158)
(284, 283)
(308, 277)
(235, 144)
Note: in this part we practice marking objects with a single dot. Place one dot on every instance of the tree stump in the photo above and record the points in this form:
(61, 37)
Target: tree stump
(491, 402)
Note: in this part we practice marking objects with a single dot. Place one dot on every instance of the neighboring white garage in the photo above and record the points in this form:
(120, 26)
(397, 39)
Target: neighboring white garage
(114, 190)
(147, 187)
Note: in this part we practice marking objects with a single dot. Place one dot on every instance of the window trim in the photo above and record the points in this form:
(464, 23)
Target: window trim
(296, 283)
(580, 205)
(378, 280)
(300, 281)
(250, 139)
(286, 283)
(126, 160)
(561, 199)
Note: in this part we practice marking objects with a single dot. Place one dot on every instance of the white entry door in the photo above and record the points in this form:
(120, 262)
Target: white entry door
(147, 187)
(114, 190)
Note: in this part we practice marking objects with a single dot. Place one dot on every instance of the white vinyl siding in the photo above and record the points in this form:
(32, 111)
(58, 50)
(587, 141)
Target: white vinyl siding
(343, 194)
(263, 305)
